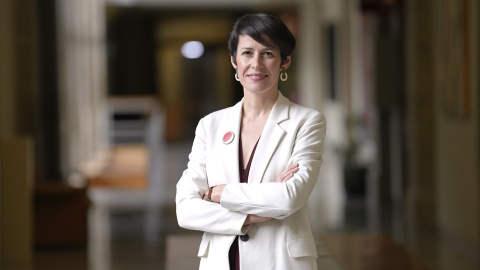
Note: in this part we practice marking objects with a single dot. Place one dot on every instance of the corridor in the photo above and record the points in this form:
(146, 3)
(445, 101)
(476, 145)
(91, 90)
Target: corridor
(136, 228)
(98, 108)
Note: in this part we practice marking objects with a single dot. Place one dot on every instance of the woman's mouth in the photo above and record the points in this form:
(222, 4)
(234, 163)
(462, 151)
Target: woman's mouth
(257, 77)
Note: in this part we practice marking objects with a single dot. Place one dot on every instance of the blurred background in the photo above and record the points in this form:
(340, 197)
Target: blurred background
(99, 100)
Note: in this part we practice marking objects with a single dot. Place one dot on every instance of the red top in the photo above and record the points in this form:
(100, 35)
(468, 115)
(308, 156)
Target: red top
(233, 254)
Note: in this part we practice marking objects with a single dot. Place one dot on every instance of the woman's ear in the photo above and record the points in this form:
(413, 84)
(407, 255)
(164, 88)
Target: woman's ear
(287, 62)
(233, 61)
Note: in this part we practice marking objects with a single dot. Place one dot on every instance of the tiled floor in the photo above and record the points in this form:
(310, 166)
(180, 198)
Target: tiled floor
(137, 229)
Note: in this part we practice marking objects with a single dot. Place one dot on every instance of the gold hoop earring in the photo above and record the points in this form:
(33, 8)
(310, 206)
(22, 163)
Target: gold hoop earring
(283, 75)
(236, 74)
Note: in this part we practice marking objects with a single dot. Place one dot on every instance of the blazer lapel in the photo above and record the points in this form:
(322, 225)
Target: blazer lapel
(231, 122)
(272, 135)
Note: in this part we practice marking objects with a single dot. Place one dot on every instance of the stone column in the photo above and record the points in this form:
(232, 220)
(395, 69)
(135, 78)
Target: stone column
(82, 84)
(310, 54)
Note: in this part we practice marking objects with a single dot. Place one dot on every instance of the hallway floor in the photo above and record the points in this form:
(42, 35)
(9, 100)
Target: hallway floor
(137, 229)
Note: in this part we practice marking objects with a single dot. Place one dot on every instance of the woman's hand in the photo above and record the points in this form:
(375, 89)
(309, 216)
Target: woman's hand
(287, 173)
(216, 193)
(251, 219)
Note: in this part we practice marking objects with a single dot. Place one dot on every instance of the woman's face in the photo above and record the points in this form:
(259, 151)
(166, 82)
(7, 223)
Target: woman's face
(258, 66)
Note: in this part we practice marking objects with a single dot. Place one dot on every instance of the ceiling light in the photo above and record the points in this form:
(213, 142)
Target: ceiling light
(192, 49)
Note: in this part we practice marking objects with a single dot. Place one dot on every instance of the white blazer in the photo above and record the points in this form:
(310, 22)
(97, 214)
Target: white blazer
(292, 134)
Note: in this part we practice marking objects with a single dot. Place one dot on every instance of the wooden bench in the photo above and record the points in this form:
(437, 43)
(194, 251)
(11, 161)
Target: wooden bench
(60, 215)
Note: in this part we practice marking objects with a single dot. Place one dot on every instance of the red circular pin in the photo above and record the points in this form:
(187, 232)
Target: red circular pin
(228, 137)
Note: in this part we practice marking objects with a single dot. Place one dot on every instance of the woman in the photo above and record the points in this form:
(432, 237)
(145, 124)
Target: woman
(254, 165)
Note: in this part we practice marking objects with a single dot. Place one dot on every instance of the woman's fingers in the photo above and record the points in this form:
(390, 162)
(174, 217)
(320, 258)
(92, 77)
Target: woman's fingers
(288, 173)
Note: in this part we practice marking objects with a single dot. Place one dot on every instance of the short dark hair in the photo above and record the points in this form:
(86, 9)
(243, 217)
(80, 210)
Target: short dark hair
(266, 29)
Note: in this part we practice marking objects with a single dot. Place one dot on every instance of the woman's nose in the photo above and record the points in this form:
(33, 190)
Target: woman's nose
(256, 61)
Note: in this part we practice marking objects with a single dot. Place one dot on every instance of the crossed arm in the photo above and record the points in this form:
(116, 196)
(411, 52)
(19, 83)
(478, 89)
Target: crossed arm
(244, 204)
(215, 193)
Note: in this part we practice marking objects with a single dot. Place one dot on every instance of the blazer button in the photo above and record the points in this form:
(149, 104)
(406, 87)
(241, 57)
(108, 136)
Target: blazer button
(244, 237)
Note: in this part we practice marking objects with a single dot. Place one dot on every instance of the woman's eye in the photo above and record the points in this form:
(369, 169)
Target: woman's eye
(268, 53)
(246, 53)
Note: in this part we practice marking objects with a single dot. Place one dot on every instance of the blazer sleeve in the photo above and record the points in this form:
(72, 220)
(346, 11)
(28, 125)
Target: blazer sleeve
(280, 200)
(193, 212)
